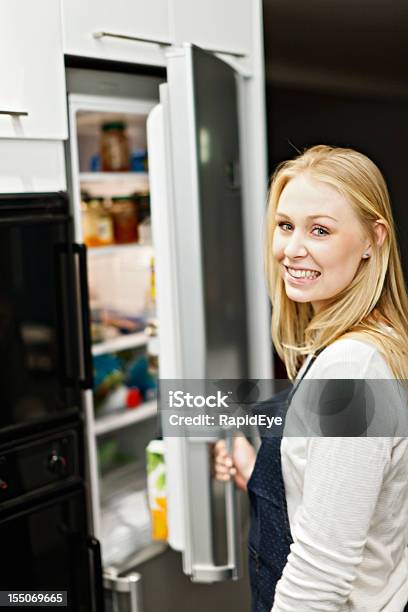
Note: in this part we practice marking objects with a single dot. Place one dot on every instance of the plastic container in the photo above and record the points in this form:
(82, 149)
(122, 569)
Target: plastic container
(114, 147)
(120, 398)
(138, 160)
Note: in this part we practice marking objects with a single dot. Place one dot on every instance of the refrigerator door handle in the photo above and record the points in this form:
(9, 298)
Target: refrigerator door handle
(233, 522)
(84, 323)
(199, 559)
(66, 371)
(98, 603)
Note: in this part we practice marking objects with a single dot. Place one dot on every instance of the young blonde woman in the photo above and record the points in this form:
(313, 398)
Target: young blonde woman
(329, 515)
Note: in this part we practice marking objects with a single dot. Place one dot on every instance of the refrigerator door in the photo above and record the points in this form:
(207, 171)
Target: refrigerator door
(194, 170)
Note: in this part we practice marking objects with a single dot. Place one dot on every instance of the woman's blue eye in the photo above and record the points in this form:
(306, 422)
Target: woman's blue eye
(283, 223)
(321, 231)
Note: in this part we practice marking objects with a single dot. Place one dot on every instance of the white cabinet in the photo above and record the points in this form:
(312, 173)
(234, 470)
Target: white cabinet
(118, 26)
(223, 26)
(32, 92)
(32, 166)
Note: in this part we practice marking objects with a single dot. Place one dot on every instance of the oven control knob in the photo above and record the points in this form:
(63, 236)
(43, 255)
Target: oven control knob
(57, 464)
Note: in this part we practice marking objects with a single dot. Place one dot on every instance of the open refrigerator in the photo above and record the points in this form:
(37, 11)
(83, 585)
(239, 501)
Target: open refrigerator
(166, 297)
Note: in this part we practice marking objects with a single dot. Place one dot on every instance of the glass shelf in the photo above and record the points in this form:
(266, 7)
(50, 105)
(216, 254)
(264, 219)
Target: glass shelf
(141, 178)
(110, 184)
(115, 248)
(120, 343)
(119, 420)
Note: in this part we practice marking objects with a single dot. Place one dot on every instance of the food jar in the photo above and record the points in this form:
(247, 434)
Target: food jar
(97, 224)
(124, 215)
(114, 146)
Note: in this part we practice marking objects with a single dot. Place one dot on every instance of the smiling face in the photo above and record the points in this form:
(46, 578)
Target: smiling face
(318, 241)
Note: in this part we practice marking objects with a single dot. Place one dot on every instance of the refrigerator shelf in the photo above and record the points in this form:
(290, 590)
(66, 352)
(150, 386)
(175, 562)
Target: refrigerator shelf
(116, 421)
(122, 480)
(141, 556)
(135, 177)
(115, 248)
(120, 343)
(110, 184)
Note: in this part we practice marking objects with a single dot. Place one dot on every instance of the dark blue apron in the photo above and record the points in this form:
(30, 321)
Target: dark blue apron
(269, 536)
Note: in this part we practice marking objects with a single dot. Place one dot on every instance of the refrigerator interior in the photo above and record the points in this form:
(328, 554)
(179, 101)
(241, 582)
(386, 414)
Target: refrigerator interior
(112, 217)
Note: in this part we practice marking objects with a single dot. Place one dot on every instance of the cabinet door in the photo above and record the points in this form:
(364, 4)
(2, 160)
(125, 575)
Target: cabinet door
(219, 26)
(121, 24)
(32, 166)
(32, 93)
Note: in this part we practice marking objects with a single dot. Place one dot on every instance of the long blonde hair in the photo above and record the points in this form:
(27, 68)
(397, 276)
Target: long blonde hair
(376, 297)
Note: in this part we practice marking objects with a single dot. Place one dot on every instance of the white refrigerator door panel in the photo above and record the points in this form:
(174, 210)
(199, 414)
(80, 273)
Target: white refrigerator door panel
(167, 300)
(197, 226)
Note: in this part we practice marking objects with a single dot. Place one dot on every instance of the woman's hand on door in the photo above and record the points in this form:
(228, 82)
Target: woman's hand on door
(238, 466)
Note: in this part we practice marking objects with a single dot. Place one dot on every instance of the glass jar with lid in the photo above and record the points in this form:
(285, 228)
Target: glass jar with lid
(97, 224)
(124, 215)
(114, 147)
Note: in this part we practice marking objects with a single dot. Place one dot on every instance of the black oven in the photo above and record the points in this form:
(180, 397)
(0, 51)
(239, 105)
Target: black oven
(45, 363)
(44, 327)
(44, 534)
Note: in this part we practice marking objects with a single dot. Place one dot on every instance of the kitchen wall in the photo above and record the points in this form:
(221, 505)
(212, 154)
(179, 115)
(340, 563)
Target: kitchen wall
(337, 75)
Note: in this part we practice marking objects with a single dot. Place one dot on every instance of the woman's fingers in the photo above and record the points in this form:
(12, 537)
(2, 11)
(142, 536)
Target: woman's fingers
(224, 459)
(219, 448)
(226, 476)
(224, 468)
(239, 466)
(223, 464)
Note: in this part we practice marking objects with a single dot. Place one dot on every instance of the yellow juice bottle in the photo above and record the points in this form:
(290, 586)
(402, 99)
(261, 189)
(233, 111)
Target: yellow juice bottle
(156, 488)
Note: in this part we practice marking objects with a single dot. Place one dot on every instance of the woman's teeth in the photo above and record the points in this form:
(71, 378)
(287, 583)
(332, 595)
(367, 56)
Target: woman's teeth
(303, 273)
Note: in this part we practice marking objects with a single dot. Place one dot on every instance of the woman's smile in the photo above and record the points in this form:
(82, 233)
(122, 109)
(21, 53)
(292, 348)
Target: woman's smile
(301, 276)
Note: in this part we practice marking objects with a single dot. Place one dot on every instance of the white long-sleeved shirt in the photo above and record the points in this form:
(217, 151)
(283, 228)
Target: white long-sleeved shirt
(347, 503)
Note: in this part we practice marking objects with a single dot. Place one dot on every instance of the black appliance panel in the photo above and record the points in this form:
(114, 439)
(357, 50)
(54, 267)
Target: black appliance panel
(47, 549)
(39, 465)
(39, 330)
